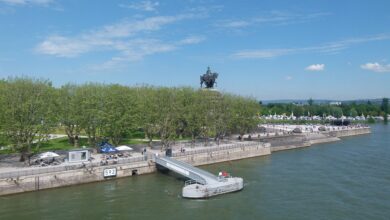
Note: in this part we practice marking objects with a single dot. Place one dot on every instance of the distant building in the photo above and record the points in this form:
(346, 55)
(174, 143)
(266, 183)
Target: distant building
(335, 103)
(317, 117)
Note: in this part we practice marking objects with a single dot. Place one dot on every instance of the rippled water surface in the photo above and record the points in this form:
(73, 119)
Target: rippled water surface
(349, 179)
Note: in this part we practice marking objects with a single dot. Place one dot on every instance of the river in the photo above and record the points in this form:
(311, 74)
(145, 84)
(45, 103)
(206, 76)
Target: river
(349, 179)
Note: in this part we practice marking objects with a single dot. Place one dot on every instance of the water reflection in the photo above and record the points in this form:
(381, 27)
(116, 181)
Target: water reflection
(342, 180)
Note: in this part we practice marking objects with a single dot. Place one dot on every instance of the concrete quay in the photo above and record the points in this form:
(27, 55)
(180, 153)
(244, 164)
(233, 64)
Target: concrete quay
(306, 139)
(32, 180)
(26, 180)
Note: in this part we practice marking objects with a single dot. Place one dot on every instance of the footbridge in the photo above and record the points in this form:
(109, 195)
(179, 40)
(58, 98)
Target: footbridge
(200, 176)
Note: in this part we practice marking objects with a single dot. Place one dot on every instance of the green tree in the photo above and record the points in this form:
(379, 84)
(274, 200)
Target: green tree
(223, 117)
(208, 113)
(298, 111)
(310, 102)
(168, 118)
(92, 104)
(336, 111)
(353, 112)
(3, 89)
(120, 113)
(191, 112)
(28, 112)
(385, 109)
(70, 111)
(149, 109)
(243, 114)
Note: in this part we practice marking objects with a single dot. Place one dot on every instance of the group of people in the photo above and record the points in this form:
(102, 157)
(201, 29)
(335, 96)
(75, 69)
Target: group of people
(107, 158)
(113, 157)
(46, 162)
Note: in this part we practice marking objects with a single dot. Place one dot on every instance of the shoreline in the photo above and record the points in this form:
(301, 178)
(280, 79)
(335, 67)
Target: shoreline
(236, 151)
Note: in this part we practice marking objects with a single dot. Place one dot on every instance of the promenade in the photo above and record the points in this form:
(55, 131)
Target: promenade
(16, 179)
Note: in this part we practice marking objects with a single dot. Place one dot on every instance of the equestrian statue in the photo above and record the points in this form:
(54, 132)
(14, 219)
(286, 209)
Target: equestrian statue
(208, 79)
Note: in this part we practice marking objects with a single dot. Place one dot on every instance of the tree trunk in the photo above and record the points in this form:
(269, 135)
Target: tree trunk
(76, 141)
(116, 140)
(192, 140)
(70, 135)
(148, 136)
(23, 155)
(91, 141)
(71, 140)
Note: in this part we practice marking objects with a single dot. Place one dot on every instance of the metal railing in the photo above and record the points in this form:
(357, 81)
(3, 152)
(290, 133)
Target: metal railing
(60, 168)
(209, 143)
(190, 182)
(218, 148)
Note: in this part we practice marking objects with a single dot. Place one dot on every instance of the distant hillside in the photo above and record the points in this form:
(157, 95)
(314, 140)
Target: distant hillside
(359, 101)
(321, 101)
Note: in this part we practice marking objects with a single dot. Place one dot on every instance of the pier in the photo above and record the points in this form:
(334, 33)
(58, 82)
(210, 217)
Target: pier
(198, 175)
(202, 184)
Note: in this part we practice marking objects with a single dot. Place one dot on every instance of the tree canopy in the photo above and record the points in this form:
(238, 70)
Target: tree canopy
(28, 110)
(32, 108)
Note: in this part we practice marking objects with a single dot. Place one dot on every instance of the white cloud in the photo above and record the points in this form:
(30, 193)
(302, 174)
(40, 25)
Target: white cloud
(288, 78)
(331, 47)
(27, 2)
(376, 67)
(235, 24)
(114, 37)
(272, 17)
(132, 40)
(134, 51)
(262, 53)
(142, 6)
(191, 40)
(63, 47)
(315, 67)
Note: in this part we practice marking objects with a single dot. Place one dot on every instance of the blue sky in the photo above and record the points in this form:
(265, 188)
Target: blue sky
(265, 49)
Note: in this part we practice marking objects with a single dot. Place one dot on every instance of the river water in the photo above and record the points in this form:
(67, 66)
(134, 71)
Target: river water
(349, 179)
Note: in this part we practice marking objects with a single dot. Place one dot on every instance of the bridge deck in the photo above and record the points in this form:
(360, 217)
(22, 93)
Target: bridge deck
(187, 170)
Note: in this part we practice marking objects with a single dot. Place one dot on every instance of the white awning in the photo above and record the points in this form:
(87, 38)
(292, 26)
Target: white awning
(124, 148)
(48, 155)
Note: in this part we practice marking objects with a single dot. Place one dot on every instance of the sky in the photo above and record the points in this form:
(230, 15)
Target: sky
(262, 49)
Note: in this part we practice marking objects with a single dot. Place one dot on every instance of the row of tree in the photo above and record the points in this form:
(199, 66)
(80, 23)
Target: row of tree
(346, 109)
(32, 108)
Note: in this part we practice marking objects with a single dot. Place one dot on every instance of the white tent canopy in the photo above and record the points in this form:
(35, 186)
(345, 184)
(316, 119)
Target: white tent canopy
(124, 148)
(48, 154)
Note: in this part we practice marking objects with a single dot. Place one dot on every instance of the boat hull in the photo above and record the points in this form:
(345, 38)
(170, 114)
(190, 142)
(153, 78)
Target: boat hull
(197, 191)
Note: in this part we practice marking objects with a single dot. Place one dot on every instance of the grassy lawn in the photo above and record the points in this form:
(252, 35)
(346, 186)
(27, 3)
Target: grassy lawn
(61, 130)
(58, 144)
(133, 141)
(51, 145)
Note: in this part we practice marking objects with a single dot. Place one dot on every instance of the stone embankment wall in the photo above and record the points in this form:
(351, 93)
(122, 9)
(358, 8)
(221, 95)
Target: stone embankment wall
(351, 132)
(293, 141)
(71, 177)
(290, 146)
(93, 174)
(286, 142)
(226, 155)
(87, 174)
